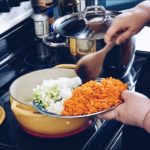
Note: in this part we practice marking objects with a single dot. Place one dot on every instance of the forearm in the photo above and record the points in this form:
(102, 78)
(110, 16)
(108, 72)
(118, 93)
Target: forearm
(145, 8)
(146, 122)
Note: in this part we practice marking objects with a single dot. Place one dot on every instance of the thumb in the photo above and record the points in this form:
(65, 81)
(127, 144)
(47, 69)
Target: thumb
(125, 94)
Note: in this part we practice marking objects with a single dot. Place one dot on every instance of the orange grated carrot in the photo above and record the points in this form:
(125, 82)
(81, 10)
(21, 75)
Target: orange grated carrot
(94, 96)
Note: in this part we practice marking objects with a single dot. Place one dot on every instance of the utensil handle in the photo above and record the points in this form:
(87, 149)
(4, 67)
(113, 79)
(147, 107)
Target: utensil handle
(20, 111)
(52, 44)
(109, 46)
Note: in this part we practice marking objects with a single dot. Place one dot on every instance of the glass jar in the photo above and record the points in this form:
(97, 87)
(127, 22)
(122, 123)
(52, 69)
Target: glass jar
(41, 25)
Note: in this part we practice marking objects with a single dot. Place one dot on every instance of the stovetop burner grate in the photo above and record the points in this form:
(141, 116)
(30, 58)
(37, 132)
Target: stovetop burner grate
(35, 60)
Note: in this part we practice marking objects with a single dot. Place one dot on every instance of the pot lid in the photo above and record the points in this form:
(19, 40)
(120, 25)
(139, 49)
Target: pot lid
(92, 23)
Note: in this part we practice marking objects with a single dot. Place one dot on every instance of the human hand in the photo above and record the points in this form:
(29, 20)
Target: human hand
(132, 111)
(127, 24)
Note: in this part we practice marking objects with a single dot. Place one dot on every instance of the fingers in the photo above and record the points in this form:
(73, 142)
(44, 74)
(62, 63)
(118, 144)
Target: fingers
(120, 38)
(124, 36)
(108, 115)
(120, 30)
(112, 31)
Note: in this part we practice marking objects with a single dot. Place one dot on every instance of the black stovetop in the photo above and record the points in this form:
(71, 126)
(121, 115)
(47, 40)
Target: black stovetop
(22, 53)
(23, 58)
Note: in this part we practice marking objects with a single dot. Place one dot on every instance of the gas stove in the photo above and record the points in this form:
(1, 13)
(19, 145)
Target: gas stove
(21, 53)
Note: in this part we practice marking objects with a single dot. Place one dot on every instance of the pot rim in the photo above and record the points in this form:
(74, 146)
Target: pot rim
(14, 82)
(59, 21)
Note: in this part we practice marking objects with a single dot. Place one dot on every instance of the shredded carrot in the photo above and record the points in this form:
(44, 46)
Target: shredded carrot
(94, 96)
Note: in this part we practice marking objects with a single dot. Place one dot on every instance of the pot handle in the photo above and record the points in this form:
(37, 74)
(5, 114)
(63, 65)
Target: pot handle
(68, 66)
(2, 114)
(95, 10)
(52, 44)
(48, 41)
(18, 111)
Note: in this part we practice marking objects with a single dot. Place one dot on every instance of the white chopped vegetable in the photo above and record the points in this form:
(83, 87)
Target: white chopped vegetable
(52, 93)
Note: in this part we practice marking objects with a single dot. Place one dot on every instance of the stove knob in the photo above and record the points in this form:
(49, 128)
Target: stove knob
(14, 3)
(4, 6)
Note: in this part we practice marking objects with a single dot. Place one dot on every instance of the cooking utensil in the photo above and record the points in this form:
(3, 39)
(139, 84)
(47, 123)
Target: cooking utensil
(2, 114)
(82, 38)
(35, 122)
(40, 109)
(41, 125)
(90, 66)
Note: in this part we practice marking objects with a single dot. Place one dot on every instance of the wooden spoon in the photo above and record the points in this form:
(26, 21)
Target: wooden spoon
(90, 66)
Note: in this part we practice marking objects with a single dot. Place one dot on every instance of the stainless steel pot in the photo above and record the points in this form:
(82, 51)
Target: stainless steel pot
(84, 33)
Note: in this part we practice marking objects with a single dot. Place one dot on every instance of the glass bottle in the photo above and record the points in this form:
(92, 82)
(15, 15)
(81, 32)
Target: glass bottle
(41, 25)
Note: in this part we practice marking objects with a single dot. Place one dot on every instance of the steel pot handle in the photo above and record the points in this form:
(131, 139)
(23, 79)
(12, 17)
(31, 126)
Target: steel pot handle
(52, 36)
(52, 44)
(95, 10)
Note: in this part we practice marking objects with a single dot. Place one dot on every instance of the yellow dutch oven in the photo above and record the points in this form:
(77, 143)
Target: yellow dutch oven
(2, 115)
(31, 120)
